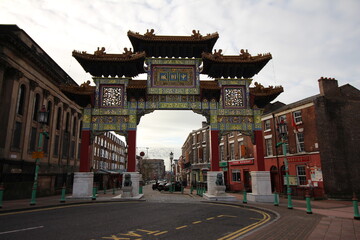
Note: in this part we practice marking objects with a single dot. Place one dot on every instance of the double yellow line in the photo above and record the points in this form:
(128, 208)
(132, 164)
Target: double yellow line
(233, 235)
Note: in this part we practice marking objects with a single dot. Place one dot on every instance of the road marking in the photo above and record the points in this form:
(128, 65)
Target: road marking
(196, 222)
(181, 227)
(58, 207)
(131, 234)
(233, 235)
(157, 234)
(114, 237)
(20, 230)
(147, 231)
(210, 218)
(226, 216)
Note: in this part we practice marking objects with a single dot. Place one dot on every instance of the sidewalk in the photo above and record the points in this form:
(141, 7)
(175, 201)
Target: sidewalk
(330, 219)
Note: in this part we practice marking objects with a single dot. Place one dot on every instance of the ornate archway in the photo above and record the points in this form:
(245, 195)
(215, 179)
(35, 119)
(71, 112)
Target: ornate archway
(173, 65)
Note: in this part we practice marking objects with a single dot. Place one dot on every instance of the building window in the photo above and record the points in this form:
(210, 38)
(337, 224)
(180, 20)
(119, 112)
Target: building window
(267, 125)
(236, 175)
(242, 149)
(36, 107)
(268, 145)
(56, 146)
(74, 127)
(58, 121)
(204, 154)
(231, 134)
(297, 117)
(17, 135)
(21, 100)
(222, 153)
(232, 151)
(33, 139)
(300, 142)
(46, 144)
(301, 175)
(49, 109)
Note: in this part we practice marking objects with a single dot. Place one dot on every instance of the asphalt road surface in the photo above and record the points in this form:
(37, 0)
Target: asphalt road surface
(134, 220)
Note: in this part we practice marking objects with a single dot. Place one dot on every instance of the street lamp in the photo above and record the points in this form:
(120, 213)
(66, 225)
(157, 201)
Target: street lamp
(42, 119)
(171, 159)
(283, 133)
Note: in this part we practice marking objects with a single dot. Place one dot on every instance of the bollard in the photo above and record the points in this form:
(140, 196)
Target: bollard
(104, 189)
(113, 190)
(94, 193)
(244, 197)
(33, 195)
(1, 194)
(308, 204)
(290, 206)
(191, 189)
(63, 190)
(276, 199)
(140, 189)
(182, 189)
(356, 207)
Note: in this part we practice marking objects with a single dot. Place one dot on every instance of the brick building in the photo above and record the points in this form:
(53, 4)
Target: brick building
(195, 160)
(321, 147)
(30, 79)
(109, 153)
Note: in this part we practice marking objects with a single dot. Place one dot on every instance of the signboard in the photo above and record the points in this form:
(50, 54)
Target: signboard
(242, 162)
(298, 159)
(223, 164)
(316, 174)
(292, 181)
(37, 155)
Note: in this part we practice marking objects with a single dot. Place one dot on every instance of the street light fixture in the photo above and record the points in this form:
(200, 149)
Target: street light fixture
(171, 159)
(42, 119)
(283, 133)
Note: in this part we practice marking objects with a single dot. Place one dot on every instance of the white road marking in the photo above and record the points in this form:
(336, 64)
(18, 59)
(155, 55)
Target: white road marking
(20, 230)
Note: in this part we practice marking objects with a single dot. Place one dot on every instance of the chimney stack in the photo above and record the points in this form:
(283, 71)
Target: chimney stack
(329, 87)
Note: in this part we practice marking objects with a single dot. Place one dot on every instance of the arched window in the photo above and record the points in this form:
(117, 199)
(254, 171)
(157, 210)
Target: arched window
(58, 120)
(21, 100)
(49, 109)
(36, 107)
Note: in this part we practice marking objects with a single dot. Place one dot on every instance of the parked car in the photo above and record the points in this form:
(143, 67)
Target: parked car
(177, 186)
(159, 185)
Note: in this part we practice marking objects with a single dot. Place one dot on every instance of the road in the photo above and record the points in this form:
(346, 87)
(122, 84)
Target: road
(161, 216)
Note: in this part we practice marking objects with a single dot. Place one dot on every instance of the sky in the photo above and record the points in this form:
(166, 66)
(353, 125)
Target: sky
(308, 39)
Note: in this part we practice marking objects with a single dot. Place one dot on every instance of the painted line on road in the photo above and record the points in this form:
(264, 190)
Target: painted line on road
(181, 227)
(21, 230)
(233, 235)
(196, 222)
(157, 234)
(58, 207)
(210, 218)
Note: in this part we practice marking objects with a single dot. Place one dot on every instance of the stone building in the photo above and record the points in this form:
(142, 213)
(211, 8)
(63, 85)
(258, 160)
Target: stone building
(30, 79)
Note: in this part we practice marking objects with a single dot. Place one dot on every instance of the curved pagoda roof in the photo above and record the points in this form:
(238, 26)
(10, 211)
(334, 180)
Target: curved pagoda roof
(100, 63)
(173, 46)
(217, 65)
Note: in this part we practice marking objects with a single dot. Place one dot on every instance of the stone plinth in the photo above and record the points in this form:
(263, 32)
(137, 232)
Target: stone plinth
(135, 180)
(127, 192)
(216, 192)
(261, 187)
(83, 185)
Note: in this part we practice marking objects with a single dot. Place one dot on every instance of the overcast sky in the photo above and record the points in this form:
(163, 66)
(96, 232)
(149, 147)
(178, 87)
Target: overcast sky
(308, 39)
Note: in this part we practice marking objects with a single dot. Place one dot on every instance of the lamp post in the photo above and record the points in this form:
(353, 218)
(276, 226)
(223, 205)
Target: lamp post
(171, 160)
(42, 119)
(283, 134)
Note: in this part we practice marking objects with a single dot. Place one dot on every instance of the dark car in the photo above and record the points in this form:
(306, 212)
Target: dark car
(160, 185)
(176, 186)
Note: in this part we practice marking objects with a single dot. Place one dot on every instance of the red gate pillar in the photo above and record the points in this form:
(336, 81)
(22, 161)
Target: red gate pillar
(131, 150)
(85, 151)
(259, 150)
(214, 150)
